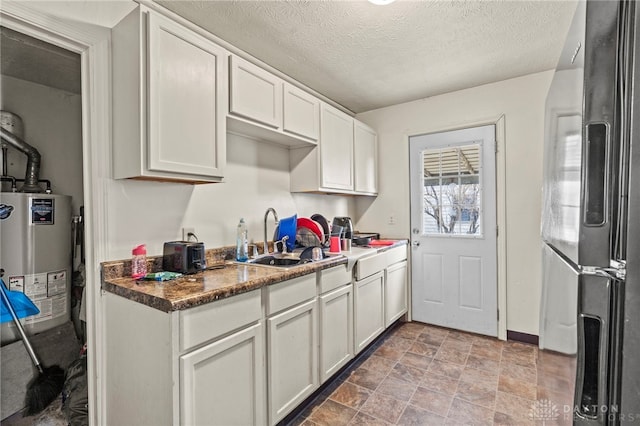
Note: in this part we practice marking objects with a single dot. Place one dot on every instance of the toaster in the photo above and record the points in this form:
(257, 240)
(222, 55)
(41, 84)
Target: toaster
(185, 257)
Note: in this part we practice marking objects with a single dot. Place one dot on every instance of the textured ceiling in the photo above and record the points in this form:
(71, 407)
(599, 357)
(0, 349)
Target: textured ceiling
(34, 60)
(366, 57)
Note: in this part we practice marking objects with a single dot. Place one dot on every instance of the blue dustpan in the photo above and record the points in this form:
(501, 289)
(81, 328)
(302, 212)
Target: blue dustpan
(22, 305)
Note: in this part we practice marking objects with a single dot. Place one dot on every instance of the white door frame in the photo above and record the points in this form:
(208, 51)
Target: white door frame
(501, 218)
(92, 43)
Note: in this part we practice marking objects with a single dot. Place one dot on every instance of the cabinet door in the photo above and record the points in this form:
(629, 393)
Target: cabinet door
(395, 294)
(336, 148)
(223, 383)
(292, 358)
(365, 159)
(187, 101)
(301, 113)
(255, 93)
(336, 330)
(369, 309)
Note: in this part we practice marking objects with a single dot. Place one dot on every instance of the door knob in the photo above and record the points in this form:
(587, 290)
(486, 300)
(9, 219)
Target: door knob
(415, 243)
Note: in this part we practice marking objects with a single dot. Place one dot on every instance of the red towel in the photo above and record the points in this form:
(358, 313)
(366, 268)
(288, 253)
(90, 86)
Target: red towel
(381, 242)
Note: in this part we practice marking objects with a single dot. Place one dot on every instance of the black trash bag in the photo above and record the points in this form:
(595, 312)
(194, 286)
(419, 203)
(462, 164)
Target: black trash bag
(75, 393)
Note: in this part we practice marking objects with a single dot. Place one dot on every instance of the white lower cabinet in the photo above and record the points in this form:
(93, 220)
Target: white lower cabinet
(206, 365)
(336, 330)
(222, 383)
(199, 366)
(369, 309)
(395, 292)
(292, 358)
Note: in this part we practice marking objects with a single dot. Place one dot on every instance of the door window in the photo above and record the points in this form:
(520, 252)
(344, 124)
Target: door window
(452, 191)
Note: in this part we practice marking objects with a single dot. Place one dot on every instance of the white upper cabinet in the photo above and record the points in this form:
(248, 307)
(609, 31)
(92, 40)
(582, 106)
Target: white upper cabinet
(336, 149)
(169, 101)
(176, 93)
(365, 147)
(344, 162)
(301, 113)
(255, 93)
(265, 107)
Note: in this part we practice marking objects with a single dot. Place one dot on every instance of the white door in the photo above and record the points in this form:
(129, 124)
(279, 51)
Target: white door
(453, 229)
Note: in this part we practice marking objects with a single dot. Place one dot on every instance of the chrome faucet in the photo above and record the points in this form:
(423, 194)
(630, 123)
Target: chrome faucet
(275, 216)
(283, 243)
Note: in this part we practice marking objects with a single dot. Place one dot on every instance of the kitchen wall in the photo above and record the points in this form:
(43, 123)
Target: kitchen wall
(51, 120)
(521, 100)
(256, 177)
(153, 212)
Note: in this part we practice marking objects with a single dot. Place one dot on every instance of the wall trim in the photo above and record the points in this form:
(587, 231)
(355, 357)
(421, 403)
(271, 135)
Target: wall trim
(93, 44)
(522, 337)
(501, 209)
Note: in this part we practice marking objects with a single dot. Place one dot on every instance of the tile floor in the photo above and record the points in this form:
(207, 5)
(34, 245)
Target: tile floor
(419, 374)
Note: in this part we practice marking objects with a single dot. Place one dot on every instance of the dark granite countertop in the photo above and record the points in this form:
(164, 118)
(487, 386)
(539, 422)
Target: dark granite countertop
(197, 289)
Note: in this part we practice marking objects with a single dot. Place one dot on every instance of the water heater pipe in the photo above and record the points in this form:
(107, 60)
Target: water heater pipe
(32, 174)
(4, 159)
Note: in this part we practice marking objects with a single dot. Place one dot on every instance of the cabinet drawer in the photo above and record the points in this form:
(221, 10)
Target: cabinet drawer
(289, 293)
(396, 254)
(370, 265)
(333, 278)
(206, 322)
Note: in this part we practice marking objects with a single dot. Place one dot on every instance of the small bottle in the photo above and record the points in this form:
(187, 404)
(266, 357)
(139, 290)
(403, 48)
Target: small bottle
(139, 262)
(242, 243)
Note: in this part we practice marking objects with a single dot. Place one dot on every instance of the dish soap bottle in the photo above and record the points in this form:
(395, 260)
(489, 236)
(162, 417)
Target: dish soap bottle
(139, 262)
(242, 247)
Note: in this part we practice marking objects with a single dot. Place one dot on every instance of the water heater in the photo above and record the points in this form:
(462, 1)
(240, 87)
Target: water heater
(35, 253)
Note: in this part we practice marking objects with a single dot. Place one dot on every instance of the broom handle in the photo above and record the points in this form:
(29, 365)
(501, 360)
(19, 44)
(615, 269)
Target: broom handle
(25, 340)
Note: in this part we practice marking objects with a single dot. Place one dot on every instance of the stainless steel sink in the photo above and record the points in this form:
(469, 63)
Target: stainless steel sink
(279, 261)
(284, 260)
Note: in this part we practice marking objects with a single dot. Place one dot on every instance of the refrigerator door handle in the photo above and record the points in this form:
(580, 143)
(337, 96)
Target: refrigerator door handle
(596, 173)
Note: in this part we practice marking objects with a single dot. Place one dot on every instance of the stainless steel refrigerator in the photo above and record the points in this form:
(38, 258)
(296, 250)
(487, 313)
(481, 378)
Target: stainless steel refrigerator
(590, 302)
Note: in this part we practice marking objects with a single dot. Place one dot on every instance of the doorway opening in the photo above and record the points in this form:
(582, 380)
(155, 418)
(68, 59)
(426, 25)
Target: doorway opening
(42, 106)
(453, 229)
